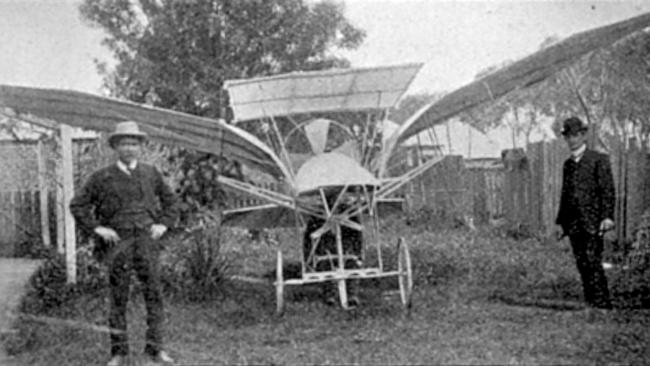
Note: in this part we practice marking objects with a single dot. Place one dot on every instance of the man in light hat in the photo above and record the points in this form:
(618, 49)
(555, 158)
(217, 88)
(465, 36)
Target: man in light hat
(586, 210)
(128, 207)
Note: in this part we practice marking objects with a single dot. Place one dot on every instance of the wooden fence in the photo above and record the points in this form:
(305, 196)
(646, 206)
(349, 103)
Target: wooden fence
(27, 167)
(525, 190)
(20, 220)
(534, 180)
(485, 186)
(458, 188)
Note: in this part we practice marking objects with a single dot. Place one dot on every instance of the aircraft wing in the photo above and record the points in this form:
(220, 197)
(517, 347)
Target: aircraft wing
(319, 91)
(521, 74)
(98, 113)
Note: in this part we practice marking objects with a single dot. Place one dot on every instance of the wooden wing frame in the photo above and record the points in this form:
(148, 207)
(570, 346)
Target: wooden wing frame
(524, 73)
(163, 125)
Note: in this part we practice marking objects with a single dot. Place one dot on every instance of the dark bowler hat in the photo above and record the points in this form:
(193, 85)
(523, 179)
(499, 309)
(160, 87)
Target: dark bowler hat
(573, 126)
(126, 129)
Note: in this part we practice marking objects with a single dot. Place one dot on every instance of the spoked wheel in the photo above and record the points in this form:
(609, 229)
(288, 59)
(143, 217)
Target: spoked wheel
(279, 286)
(405, 277)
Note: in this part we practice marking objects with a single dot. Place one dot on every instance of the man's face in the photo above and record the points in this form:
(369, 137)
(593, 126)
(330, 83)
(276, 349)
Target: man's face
(576, 140)
(128, 149)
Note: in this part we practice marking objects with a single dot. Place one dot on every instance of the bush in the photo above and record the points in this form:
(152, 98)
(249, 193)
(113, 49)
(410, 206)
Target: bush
(31, 248)
(195, 268)
(48, 288)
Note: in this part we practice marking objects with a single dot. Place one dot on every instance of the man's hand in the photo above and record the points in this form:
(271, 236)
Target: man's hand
(606, 225)
(157, 230)
(109, 235)
(559, 233)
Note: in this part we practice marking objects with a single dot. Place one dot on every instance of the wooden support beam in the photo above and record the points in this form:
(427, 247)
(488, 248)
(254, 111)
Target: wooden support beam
(60, 211)
(68, 192)
(43, 194)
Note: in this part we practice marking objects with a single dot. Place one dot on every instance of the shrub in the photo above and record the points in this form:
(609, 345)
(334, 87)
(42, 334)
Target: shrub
(195, 268)
(48, 288)
(31, 248)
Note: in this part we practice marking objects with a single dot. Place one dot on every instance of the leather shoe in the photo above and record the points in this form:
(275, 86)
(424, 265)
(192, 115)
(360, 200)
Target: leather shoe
(161, 358)
(117, 360)
(330, 301)
(353, 301)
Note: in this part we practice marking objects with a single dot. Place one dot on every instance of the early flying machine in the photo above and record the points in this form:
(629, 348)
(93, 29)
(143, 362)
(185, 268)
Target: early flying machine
(335, 183)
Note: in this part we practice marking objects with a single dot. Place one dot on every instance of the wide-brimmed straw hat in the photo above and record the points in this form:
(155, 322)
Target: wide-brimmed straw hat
(126, 129)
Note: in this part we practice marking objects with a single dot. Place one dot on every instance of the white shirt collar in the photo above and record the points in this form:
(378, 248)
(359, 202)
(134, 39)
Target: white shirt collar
(577, 153)
(127, 169)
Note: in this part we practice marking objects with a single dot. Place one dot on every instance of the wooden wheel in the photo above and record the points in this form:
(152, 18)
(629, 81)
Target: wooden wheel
(405, 277)
(279, 285)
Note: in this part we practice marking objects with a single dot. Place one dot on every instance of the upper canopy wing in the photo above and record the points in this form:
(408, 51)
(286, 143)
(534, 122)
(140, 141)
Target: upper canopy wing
(523, 73)
(100, 113)
(319, 91)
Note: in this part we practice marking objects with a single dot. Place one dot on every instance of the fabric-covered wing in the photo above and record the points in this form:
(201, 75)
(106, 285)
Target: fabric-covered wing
(523, 73)
(319, 91)
(100, 113)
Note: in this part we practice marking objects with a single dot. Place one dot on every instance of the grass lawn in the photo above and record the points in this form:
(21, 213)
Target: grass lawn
(461, 314)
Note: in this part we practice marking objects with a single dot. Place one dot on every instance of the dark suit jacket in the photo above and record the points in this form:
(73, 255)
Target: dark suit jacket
(588, 194)
(110, 191)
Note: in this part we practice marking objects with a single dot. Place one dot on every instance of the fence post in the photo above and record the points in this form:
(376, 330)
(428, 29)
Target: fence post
(60, 211)
(68, 191)
(42, 191)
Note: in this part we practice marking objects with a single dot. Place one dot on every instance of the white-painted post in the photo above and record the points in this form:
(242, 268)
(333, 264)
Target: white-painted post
(68, 192)
(43, 194)
(60, 209)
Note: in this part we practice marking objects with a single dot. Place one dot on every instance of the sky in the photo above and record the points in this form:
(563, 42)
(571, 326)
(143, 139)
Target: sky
(45, 43)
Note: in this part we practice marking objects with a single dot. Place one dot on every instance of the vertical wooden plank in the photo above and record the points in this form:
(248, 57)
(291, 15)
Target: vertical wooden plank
(52, 214)
(68, 191)
(26, 216)
(620, 182)
(533, 209)
(507, 191)
(43, 195)
(6, 235)
(3, 225)
(635, 193)
(60, 215)
(19, 235)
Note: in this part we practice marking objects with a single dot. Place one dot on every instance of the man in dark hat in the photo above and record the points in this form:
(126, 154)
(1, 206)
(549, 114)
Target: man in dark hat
(586, 210)
(128, 207)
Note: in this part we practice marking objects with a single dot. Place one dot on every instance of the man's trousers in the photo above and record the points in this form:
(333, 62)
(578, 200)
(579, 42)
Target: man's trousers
(139, 253)
(588, 252)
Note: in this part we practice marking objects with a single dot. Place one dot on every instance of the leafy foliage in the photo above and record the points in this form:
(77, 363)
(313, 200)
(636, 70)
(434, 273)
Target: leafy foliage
(176, 54)
(48, 288)
(196, 268)
(608, 88)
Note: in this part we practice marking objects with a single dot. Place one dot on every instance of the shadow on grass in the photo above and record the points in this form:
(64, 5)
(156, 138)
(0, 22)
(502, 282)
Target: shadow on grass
(629, 289)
